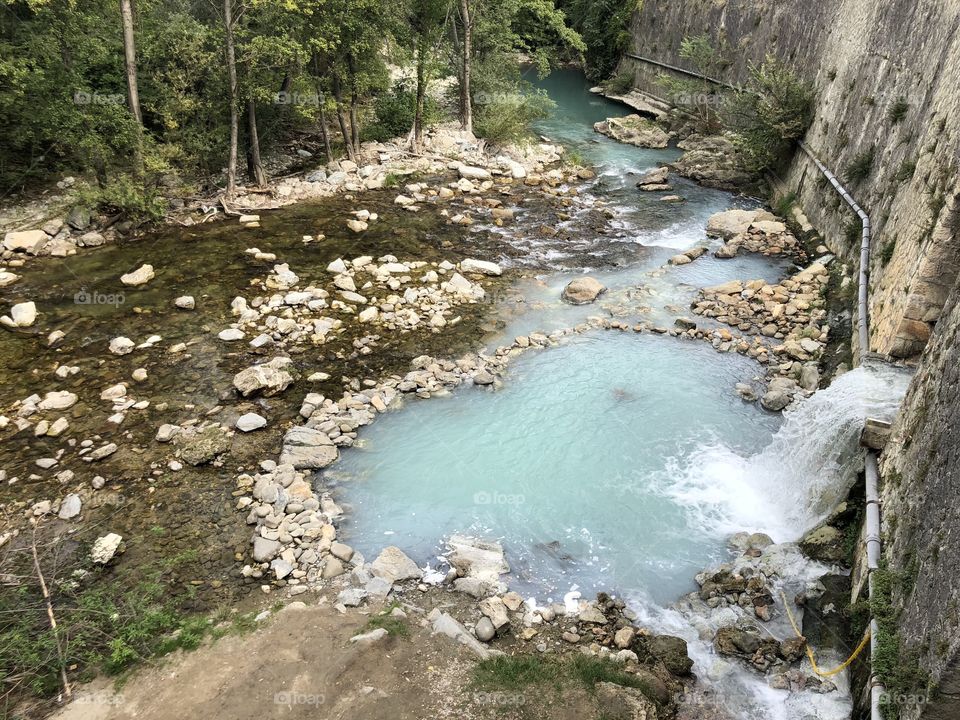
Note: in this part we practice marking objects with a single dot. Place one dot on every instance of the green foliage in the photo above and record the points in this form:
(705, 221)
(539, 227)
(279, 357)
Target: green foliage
(124, 195)
(777, 112)
(395, 110)
(886, 252)
(906, 171)
(507, 117)
(619, 84)
(860, 167)
(605, 28)
(700, 98)
(514, 672)
(853, 232)
(898, 111)
(784, 204)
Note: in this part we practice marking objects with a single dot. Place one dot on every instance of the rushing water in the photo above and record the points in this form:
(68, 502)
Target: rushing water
(620, 461)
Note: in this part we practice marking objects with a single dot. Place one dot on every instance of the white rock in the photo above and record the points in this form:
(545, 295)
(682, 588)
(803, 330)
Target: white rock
(24, 314)
(141, 276)
(250, 422)
(57, 400)
(105, 548)
(337, 266)
(480, 266)
(368, 315)
(121, 346)
(70, 507)
(185, 302)
(231, 335)
(29, 241)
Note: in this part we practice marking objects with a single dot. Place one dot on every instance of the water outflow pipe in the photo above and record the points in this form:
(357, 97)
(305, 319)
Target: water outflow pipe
(871, 469)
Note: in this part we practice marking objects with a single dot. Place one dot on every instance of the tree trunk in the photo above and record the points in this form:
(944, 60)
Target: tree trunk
(253, 138)
(130, 63)
(354, 105)
(344, 130)
(421, 94)
(130, 59)
(466, 104)
(324, 133)
(232, 76)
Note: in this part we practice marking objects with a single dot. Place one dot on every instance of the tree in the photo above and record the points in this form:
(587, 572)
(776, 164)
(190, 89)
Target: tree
(426, 19)
(466, 102)
(232, 81)
(130, 59)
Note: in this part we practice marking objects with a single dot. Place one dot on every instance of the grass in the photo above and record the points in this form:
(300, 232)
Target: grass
(898, 111)
(861, 166)
(395, 626)
(906, 171)
(783, 204)
(392, 180)
(521, 671)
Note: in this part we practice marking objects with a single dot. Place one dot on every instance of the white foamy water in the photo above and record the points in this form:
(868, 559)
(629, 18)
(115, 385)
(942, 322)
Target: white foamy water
(807, 469)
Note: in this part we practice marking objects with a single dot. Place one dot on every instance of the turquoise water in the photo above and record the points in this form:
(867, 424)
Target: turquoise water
(576, 462)
(568, 464)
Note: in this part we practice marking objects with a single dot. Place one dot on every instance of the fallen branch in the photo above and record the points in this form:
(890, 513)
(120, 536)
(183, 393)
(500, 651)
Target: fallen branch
(53, 620)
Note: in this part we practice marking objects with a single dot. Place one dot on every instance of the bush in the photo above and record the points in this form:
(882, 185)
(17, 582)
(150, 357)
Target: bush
(124, 195)
(508, 117)
(861, 166)
(772, 117)
(395, 111)
(898, 111)
(619, 84)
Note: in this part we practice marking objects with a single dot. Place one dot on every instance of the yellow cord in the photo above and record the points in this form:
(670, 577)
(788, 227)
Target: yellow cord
(813, 662)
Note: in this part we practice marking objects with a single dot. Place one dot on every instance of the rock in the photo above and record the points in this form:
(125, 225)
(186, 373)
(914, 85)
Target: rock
(357, 226)
(623, 638)
(473, 173)
(307, 448)
(7, 278)
(617, 702)
(634, 130)
(121, 346)
(477, 558)
(102, 452)
(480, 266)
(714, 161)
(250, 422)
(582, 291)
(393, 565)
(21, 315)
(368, 314)
(114, 392)
(70, 507)
(495, 610)
(57, 400)
(825, 543)
(680, 260)
(141, 276)
(332, 568)
(231, 335)
(28, 241)
(485, 631)
(105, 548)
(672, 652)
(201, 445)
(91, 239)
(341, 551)
(483, 377)
(79, 218)
(185, 302)
(166, 432)
(369, 638)
(441, 622)
(264, 550)
(654, 177)
(267, 379)
(685, 324)
(337, 266)
(139, 375)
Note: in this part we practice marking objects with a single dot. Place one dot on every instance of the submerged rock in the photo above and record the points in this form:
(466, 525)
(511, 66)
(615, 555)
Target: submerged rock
(201, 445)
(141, 276)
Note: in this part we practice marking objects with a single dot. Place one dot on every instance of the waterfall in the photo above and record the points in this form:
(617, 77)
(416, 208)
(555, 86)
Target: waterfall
(801, 476)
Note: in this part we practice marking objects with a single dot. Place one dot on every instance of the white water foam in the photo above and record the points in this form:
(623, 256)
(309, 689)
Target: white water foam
(800, 477)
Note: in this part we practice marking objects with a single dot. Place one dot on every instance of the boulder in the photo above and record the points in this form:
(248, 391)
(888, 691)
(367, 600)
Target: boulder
(393, 564)
(634, 130)
(105, 548)
(28, 241)
(308, 448)
(480, 266)
(583, 291)
(473, 173)
(616, 702)
(672, 652)
(654, 177)
(141, 276)
(268, 379)
(477, 558)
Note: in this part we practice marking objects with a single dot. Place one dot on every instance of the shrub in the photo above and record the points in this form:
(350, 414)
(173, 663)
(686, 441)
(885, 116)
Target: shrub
(777, 112)
(124, 195)
(395, 111)
(898, 111)
(886, 253)
(508, 116)
(619, 84)
(861, 166)
(906, 171)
